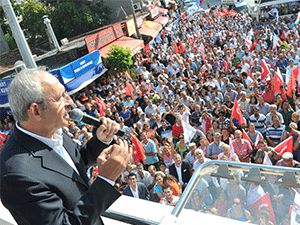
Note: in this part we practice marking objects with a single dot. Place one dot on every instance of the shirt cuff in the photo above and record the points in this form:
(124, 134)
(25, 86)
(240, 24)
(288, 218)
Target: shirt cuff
(111, 182)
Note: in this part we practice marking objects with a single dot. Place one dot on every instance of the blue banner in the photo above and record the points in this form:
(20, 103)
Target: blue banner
(3, 91)
(81, 72)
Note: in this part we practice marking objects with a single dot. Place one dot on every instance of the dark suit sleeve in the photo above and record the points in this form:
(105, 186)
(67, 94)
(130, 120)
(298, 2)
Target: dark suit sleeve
(32, 196)
(90, 151)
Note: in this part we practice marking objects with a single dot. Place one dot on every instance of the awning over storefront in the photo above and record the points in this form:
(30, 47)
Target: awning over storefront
(135, 45)
(150, 28)
(163, 20)
(162, 11)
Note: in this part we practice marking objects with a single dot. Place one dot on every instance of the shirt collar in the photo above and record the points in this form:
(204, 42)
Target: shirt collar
(56, 140)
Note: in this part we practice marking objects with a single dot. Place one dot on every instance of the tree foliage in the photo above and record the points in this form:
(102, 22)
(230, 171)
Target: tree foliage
(119, 59)
(32, 22)
(68, 18)
(71, 18)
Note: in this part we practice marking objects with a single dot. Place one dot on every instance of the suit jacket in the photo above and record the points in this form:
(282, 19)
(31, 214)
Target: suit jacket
(142, 189)
(39, 187)
(185, 171)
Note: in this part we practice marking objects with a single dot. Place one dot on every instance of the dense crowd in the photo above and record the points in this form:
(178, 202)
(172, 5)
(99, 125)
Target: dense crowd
(198, 67)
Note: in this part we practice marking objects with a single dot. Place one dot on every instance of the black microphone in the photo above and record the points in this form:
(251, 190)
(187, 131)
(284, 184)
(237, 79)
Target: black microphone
(77, 115)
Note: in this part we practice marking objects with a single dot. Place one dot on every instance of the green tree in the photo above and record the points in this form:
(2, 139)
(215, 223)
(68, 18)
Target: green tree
(119, 59)
(31, 13)
(32, 22)
(72, 18)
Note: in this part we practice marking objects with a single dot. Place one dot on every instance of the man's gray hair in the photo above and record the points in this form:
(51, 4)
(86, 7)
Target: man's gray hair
(24, 90)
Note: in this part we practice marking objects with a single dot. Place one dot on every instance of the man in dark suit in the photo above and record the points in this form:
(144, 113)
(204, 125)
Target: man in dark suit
(181, 170)
(136, 189)
(43, 172)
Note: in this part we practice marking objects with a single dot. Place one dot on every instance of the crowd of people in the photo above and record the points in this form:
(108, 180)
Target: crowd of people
(200, 66)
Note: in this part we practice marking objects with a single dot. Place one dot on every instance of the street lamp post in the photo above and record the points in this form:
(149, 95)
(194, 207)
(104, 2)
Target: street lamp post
(51, 33)
(18, 34)
(134, 20)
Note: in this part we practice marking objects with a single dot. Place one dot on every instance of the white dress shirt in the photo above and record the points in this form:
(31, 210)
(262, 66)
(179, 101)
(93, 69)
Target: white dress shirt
(136, 192)
(56, 143)
(178, 169)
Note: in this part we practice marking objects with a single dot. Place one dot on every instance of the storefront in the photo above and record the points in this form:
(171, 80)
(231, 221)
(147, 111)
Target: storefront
(113, 35)
(150, 29)
(163, 20)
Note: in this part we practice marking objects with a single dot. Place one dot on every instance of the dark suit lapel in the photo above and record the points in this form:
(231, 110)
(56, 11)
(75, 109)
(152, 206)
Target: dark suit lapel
(74, 153)
(140, 191)
(49, 158)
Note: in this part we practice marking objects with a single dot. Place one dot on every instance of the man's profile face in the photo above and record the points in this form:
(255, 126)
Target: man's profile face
(58, 103)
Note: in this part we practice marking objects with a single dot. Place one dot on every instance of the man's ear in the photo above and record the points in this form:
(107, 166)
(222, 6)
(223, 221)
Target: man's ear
(34, 111)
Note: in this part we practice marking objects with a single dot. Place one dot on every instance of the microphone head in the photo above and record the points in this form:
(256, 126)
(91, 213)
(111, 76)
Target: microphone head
(76, 114)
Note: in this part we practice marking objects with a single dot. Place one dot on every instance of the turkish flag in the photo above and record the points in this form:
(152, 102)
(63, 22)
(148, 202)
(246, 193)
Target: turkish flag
(138, 150)
(253, 45)
(248, 42)
(225, 65)
(181, 47)
(129, 89)
(183, 16)
(3, 138)
(176, 50)
(101, 107)
(191, 40)
(258, 138)
(147, 49)
(292, 82)
(245, 136)
(278, 81)
(237, 115)
(265, 72)
(285, 146)
(265, 200)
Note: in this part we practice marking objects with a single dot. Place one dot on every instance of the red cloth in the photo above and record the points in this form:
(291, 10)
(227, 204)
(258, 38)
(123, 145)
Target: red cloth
(101, 107)
(292, 82)
(285, 146)
(177, 130)
(265, 200)
(278, 81)
(237, 115)
(207, 123)
(176, 50)
(3, 138)
(269, 97)
(138, 150)
(129, 89)
(245, 136)
(181, 47)
(253, 45)
(147, 49)
(184, 15)
(265, 72)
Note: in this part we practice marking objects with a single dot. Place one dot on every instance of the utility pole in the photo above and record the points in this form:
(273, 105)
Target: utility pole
(134, 20)
(18, 34)
(50, 32)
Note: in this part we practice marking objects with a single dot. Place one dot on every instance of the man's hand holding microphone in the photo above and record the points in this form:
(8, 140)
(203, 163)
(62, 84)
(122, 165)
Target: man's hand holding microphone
(113, 160)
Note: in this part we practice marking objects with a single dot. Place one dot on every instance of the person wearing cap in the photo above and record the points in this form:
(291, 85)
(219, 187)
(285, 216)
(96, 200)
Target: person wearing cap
(287, 161)
(190, 156)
